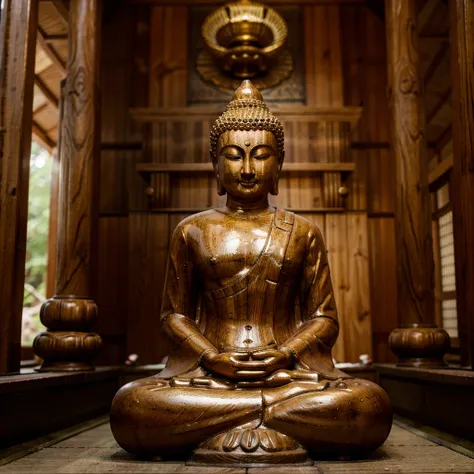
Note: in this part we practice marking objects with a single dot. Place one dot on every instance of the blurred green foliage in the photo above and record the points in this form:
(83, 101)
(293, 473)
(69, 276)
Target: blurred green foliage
(37, 239)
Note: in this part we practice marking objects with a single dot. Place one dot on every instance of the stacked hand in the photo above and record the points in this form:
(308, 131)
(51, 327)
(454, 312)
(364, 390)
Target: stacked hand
(242, 365)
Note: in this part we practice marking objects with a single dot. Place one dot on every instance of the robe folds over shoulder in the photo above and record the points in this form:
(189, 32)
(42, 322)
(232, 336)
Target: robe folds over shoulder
(287, 289)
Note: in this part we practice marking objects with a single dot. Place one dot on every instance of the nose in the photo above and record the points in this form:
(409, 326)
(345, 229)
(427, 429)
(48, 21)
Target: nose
(247, 173)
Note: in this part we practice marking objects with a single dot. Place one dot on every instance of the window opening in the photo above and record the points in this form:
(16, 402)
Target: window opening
(37, 242)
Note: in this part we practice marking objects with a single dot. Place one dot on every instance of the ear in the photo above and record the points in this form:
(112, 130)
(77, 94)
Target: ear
(274, 191)
(220, 188)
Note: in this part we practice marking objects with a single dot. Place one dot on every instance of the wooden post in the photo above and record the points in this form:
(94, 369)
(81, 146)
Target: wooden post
(18, 37)
(415, 264)
(68, 345)
(462, 176)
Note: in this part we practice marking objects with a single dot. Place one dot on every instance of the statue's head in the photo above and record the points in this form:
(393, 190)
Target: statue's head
(247, 146)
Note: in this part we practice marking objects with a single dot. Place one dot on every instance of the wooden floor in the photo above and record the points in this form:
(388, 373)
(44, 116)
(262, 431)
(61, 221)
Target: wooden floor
(94, 450)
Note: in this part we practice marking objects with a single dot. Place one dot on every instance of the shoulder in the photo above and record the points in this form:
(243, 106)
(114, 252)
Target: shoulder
(196, 221)
(305, 229)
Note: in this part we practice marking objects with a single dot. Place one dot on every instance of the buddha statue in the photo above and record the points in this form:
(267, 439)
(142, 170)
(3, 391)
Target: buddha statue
(249, 310)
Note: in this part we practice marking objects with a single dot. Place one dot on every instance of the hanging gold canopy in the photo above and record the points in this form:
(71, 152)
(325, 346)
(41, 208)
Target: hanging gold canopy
(244, 40)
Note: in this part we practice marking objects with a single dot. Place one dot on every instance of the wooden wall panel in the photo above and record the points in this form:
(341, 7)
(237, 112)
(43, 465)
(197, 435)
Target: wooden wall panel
(336, 235)
(383, 280)
(364, 53)
(323, 56)
(147, 256)
(372, 186)
(113, 283)
(357, 303)
(348, 253)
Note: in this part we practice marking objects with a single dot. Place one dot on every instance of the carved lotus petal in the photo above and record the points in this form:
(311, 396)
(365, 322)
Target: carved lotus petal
(269, 441)
(231, 441)
(250, 441)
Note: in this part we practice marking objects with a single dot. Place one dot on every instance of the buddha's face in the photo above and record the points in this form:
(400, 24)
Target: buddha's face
(247, 164)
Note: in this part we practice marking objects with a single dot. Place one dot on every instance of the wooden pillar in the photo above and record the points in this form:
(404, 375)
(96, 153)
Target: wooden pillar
(69, 315)
(17, 56)
(415, 264)
(462, 176)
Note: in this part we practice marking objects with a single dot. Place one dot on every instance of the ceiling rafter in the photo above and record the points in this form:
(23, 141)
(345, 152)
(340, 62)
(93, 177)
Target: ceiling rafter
(444, 97)
(43, 137)
(51, 52)
(47, 92)
(62, 10)
(51, 39)
(438, 58)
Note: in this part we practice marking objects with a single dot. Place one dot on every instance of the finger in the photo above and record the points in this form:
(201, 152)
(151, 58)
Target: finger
(248, 364)
(270, 361)
(240, 355)
(250, 374)
(201, 381)
(264, 354)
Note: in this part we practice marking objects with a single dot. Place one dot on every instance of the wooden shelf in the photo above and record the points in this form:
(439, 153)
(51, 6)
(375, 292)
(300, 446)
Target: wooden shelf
(436, 176)
(291, 113)
(191, 210)
(207, 167)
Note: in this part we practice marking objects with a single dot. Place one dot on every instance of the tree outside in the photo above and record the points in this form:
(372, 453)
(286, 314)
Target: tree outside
(37, 242)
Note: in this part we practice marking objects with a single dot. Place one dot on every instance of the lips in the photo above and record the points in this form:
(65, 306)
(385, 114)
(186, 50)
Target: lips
(248, 184)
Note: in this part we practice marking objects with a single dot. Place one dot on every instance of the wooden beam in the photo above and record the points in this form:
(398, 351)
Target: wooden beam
(415, 268)
(267, 2)
(289, 113)
(444, 137)
(46, 91)
(62, 11)
(207, 167)
(17, 61)
(439, 173)
(462, 177)
(430, 115)
(50, 39)
(43, 137)
(439, 56)
(51, 52)
(78, 190)
(425, 14)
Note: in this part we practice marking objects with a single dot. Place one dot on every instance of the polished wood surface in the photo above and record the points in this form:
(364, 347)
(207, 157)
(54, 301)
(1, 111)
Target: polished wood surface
(71, 313)
(462, 56)
(415, 267)
(93, 449)
(18, 38)
(250, 319)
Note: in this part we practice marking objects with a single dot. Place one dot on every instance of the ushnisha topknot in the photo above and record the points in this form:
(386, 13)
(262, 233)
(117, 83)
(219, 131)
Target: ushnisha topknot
(247, 111)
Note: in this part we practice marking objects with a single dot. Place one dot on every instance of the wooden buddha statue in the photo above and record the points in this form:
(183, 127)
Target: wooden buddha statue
(250, 378)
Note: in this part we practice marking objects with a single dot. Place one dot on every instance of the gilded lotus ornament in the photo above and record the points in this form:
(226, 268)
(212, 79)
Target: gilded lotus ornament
(245, 40)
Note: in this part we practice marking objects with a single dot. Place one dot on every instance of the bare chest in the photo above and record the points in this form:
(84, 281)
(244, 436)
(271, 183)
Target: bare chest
(225, 252)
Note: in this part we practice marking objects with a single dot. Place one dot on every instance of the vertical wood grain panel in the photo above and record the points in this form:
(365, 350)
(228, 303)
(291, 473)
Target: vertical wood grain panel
(113, 288)
(17, 56)
(462, 50)
(336, 244)
(415, 269)
(383, 282)
(358, 325)
(147, 257)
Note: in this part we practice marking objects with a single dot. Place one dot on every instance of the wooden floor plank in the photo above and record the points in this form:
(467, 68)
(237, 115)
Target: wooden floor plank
(95, 451)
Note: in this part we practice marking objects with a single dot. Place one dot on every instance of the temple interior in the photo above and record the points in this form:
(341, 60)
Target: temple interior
(114, 117)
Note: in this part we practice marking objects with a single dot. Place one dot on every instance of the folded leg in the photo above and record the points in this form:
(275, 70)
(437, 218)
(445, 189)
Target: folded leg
(150, 417)
(348, 417)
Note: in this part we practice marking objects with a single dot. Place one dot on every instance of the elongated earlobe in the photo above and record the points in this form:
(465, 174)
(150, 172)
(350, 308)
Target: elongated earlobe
(275, 189)
(220, 189)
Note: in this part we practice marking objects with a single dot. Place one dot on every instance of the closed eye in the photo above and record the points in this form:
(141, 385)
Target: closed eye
(263, 156)
(232, 156)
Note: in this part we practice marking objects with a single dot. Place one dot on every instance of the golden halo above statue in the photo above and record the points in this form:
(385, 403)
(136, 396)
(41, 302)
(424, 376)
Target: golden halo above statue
(213, 75)
(244, 40)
